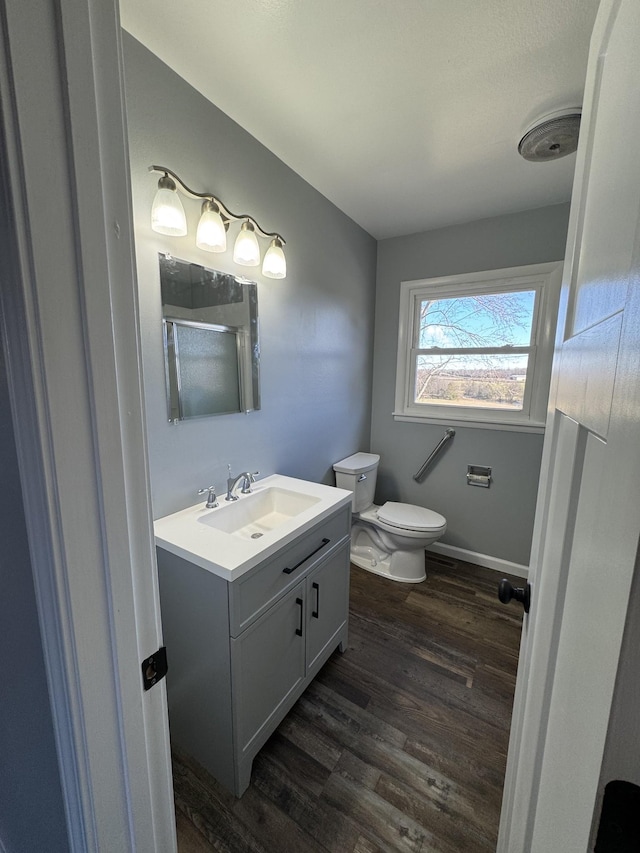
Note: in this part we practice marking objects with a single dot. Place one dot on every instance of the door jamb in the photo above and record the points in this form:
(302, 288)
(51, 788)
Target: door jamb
(75, 386)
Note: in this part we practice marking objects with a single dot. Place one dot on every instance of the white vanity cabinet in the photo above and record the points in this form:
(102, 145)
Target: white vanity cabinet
(241, 652)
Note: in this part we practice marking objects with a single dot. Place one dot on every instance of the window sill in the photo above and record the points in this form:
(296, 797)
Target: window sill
(508, 426)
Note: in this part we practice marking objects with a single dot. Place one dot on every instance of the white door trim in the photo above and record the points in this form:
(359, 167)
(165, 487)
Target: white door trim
(565, 442)
(77, 402)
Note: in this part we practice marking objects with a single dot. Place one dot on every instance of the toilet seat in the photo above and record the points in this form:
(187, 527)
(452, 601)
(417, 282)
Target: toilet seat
(405, 519)
(410, 517)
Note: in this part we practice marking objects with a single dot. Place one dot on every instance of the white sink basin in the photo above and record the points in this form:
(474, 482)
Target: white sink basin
(251, 516)
(237, 535)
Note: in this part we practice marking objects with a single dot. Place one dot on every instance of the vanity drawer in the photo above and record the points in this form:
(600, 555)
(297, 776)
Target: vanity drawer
(254, 592)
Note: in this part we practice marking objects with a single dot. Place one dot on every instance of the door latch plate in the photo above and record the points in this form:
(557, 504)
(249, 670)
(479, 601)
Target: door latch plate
(154, 668)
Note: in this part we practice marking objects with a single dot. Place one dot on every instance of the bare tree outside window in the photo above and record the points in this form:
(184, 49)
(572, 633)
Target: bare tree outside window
(472, 350)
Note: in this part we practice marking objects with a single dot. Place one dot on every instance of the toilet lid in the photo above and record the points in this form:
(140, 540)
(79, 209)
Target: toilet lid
(410, 517)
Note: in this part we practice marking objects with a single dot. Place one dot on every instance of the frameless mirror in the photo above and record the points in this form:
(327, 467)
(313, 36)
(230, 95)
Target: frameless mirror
(211, 348)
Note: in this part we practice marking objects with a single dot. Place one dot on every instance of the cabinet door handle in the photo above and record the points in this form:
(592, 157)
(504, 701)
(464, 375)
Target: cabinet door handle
(301, 603)
(316, 613)
(308, 557)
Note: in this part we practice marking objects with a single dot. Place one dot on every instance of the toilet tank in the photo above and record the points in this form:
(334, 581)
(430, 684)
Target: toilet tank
(357, 474)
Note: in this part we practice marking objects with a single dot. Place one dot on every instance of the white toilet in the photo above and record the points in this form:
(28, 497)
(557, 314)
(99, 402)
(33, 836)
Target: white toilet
(387, 540)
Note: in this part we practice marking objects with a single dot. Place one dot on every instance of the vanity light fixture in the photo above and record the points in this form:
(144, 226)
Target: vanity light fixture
(211, 234)
(246, 250)
(167, 213)
(168, 217)
(275, 264)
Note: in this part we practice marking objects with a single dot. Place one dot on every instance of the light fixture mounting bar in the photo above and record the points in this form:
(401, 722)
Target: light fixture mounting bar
(185, 190)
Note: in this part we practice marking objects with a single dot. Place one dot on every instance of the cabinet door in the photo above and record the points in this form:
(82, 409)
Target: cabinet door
(327, 606)
(268, 664)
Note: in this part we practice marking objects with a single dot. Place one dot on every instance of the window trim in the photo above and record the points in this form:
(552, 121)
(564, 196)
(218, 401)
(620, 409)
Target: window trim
(546, 280)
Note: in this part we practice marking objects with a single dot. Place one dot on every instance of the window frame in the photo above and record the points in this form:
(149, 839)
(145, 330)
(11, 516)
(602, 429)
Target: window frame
(545, 280)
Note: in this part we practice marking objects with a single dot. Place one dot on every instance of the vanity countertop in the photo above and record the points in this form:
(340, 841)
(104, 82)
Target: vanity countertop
(220, 539)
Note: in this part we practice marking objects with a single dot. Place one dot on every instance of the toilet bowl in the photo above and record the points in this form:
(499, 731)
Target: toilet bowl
(387, 540)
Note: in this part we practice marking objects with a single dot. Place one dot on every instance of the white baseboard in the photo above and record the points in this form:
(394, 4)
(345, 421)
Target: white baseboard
(504, 566)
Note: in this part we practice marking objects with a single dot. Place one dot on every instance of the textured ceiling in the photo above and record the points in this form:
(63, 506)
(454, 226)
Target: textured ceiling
(405, 114)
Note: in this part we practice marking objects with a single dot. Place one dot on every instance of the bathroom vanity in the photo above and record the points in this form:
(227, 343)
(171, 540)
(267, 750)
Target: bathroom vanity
(254, 598)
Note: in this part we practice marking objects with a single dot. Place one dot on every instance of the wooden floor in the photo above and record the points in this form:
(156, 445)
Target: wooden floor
(398, 745)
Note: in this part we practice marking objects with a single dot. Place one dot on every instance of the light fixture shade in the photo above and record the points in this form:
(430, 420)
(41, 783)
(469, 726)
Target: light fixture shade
(167, 213)
(211, 234)
(275, 263)
(246, 250)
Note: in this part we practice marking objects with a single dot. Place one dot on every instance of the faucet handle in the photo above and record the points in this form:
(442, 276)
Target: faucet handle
(212, 500)
(248, 480)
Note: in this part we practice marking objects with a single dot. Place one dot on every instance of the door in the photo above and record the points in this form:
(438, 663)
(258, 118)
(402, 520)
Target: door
(587, 523)
(267, 665)
(327, 606)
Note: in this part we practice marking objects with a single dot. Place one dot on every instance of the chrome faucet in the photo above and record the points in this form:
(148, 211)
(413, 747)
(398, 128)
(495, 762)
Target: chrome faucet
(247, 479)
(210, 492)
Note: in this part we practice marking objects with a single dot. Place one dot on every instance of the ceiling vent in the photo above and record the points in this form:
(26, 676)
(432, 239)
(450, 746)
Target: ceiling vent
(551, 137)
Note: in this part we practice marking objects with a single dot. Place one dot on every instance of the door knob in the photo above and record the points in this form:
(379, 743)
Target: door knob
(506, 591)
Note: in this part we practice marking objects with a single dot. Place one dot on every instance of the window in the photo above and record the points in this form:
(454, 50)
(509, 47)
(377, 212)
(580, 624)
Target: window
(477, 349)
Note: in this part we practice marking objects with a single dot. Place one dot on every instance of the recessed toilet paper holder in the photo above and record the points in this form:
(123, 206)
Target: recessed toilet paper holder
(479, 475)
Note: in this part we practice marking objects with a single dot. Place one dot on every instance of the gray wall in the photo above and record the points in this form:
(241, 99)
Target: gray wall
(316, 326)
(32, 813)
(498, 521)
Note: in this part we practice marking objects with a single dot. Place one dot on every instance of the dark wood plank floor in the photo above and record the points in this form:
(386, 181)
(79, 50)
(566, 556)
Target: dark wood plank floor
(398, 745)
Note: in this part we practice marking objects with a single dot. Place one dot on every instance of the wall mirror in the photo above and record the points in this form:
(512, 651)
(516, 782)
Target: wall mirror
(211, 347)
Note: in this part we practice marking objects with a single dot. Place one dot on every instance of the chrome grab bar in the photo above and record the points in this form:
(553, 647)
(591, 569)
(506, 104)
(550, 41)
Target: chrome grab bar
(449, 433)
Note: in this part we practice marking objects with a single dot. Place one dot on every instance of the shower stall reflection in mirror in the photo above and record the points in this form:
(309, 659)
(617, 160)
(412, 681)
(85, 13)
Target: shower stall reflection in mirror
(202, 369)
(210, 334)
